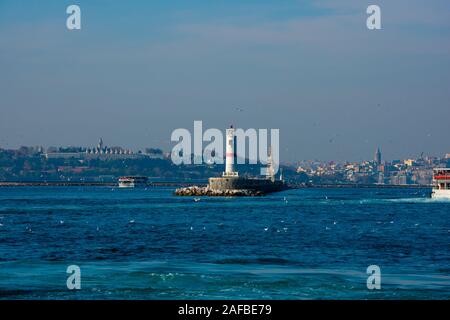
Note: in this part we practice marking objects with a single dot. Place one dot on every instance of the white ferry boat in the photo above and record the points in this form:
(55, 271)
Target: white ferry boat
(441, 180)
(133, 182)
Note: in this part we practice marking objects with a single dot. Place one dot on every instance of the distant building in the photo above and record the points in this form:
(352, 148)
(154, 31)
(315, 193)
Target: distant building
(380, 178)
(100, 152)
(377, 157)
(63, 155)
(153, 153)
(410, 162)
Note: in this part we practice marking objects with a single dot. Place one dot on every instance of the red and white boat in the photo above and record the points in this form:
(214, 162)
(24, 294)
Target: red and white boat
(441, 180)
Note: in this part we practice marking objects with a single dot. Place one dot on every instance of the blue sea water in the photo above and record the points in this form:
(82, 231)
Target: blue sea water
(149, 244)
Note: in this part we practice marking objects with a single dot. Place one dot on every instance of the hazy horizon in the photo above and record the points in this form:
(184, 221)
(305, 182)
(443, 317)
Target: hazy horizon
(136, 71)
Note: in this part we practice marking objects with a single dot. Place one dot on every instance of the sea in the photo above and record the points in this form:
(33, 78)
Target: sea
(315, 243)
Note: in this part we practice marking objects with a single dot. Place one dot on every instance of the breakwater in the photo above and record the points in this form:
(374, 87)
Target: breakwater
(207, 191)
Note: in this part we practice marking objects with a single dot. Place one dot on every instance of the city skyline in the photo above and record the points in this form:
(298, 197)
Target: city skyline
(100, 147)
(135, 73)
(104, 162)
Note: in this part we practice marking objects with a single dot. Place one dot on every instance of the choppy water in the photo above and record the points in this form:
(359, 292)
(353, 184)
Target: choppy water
(148, 244)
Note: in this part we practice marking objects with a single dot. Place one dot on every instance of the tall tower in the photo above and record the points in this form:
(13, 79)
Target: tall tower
(377, 158)
(230, 154)
(270, 170)
(100, 144)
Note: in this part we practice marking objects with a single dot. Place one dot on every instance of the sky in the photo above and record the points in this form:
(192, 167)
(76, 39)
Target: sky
(137, 70)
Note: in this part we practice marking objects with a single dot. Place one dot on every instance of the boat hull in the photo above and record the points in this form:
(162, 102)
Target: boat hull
(440, 194)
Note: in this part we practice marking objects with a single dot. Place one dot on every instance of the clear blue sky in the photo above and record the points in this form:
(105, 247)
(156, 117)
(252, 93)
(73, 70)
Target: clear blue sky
(139, 69)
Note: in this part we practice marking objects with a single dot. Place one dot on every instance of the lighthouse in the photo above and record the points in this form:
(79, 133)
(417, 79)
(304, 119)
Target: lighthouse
(230, 155)
(231, 184)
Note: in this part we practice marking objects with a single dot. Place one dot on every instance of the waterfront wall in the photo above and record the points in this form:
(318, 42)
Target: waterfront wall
(239, 183)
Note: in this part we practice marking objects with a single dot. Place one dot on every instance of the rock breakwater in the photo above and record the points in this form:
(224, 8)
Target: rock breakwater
(207, 191)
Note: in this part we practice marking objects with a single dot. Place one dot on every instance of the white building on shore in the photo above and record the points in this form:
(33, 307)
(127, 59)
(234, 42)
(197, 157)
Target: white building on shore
(102, 152)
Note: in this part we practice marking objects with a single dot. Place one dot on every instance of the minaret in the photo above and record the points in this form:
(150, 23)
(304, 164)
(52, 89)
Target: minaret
(230, 154)
(100, 144)
(270, 170)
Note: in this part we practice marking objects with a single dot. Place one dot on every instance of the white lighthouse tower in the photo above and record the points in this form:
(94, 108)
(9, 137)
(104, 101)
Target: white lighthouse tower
(230, 154)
